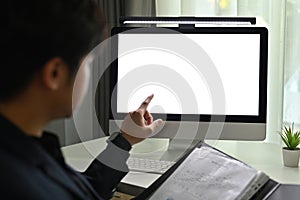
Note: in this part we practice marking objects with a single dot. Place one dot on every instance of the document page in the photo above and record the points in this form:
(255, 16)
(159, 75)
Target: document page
(207, 174)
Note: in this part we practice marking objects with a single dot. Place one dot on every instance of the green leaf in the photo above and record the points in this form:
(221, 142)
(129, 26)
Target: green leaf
(289, 136)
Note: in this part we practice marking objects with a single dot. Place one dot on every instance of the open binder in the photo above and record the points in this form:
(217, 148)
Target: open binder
(207, 173)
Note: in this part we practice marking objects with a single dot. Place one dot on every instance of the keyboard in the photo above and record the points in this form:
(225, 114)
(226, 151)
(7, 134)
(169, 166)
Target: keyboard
(149, 165)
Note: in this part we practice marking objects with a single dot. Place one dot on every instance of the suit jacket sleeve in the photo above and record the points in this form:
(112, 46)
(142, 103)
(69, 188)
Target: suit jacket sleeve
(107, 170)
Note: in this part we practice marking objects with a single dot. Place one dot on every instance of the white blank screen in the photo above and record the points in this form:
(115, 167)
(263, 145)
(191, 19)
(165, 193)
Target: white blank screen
(235, 56)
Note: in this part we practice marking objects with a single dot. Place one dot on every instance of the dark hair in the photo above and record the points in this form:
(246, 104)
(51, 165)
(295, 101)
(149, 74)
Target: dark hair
(37, 30)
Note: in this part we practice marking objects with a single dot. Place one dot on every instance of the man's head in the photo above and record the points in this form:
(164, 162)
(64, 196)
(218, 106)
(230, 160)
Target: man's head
(45, 41)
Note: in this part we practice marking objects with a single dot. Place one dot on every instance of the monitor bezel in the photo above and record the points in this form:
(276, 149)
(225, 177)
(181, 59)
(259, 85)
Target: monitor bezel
(263, 63)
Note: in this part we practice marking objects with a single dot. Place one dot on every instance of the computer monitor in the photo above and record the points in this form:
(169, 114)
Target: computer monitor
(209, 79)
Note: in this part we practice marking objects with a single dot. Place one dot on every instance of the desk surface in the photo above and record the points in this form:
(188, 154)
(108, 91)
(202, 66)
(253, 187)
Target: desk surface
(262, 156)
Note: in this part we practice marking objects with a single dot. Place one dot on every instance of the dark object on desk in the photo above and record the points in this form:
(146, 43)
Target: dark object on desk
(290, 192)
(132, 190)
(121, 196)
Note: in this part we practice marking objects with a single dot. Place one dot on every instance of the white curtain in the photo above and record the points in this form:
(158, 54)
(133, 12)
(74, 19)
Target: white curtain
(292, 64)
(282, 17)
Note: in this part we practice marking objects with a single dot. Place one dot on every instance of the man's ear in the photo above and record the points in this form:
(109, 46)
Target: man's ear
(54, 73)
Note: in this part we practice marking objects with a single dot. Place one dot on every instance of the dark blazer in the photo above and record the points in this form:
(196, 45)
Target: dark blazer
(34, 168)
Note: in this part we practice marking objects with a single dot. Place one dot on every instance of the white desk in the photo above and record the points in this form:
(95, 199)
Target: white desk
(262, 156)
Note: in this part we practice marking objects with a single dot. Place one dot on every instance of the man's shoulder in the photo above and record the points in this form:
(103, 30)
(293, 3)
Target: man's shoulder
(9, 158)
(11, 164)
(21, 179)
(13, 173)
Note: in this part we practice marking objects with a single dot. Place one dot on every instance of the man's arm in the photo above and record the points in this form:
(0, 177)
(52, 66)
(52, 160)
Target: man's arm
(108, 169)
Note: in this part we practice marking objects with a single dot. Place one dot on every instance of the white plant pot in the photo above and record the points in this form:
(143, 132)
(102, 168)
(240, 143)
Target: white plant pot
(290, 157)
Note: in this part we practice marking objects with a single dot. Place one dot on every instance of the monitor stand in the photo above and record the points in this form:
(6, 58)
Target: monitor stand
(178, 148)
(169, 144)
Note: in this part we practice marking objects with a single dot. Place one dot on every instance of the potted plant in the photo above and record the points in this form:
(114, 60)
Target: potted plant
(291, 139)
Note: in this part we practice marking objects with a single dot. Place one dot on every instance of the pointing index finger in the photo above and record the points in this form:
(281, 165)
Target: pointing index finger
(145, 103)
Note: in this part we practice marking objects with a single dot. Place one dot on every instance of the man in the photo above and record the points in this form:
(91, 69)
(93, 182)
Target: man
(43, 44)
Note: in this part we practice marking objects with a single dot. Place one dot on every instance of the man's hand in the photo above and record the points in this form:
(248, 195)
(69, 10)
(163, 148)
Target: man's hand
(139, 124)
